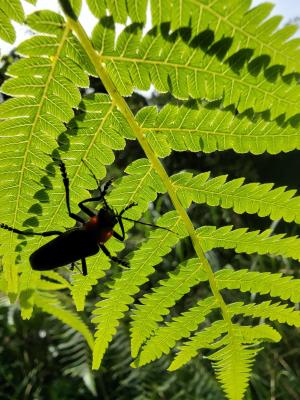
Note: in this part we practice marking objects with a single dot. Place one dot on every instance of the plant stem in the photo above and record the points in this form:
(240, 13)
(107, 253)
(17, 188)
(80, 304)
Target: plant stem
(157, 165)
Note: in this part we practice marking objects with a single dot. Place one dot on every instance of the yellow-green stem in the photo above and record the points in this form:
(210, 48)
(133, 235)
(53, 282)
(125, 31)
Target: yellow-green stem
(125, 110)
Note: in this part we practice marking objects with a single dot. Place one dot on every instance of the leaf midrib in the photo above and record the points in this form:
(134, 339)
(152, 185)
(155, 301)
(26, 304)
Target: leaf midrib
(194, 69)
(244, 32)
(235, 196)
(80, 166)
(35, 121)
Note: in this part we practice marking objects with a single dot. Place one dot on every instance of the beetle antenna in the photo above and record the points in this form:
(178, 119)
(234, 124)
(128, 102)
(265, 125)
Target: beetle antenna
(92, 173)
(144, 223)
(106, 185)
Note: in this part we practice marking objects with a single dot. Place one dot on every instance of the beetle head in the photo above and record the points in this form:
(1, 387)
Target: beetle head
(107, 217)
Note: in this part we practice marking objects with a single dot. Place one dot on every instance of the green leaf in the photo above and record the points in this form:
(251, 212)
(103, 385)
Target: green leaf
(252, 198)
(180, 327)
(39, 46)
(137, 10)
(76, 6)
(18, 107)
(156, 304)
(7, 31)
(200, 340)
(51, 305)
(266, 309)
(259, 333)
(33, 66)
(244, 241)
(34, 121)
(30, 86)
(260, 282)
(13, 9)
(72, 71)
(82, 285)
(115, 302)
(196, 127)
(118, 10)
(235, 20)
(233, 364)
(46, 21)
(191, 70)
(58, 108)
(97, 8)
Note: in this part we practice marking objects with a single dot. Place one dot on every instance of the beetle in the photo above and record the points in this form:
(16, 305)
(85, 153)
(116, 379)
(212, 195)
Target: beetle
(85, 240)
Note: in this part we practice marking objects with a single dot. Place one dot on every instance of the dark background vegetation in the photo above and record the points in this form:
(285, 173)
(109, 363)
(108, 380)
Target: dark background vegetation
(43, 359)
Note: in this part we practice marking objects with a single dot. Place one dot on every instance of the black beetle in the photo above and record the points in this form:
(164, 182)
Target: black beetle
(83, 241)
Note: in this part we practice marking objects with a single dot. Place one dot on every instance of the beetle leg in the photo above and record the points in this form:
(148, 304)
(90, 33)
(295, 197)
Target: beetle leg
(73, 266)
(127, 208)
(67, 190)
(49, 233)
(85, 209)
(84, 269)
(117, 235)
(115, 259)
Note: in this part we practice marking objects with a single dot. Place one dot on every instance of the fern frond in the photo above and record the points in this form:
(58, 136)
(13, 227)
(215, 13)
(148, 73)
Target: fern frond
(251, 197)
(234, 20)
(3, 283)
(139, 186)
(93, 134)
(73, 355)
(243, 240)
(260, 282)
(206, 339)
(195, 126)
(48, 286)
(97, 136)
(82, 285)
(259, 333)
(120, 10)
(200, 340)
(10, 10)
(116, 301)
(232, 364)
(28, 283)
(156, 304)
(56, 277)
(273, 311)
(51, 305)
(188, 70)
(44, 100)
(180, 327)
(44, 86)
(54, 282)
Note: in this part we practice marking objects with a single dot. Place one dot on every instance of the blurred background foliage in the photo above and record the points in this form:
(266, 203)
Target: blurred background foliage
(43, 359)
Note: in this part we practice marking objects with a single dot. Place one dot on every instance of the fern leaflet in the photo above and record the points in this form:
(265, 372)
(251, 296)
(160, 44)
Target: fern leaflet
(166, 336)
(251, 197)
(195, 69)
(196, 126)
(156, 304)
(52, 305)
(242, 240)
(260, 282)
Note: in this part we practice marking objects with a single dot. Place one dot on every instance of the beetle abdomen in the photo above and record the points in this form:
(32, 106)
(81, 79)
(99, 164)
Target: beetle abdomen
(69, 247)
